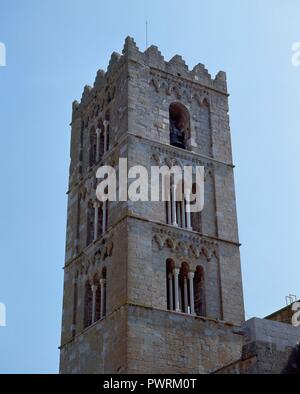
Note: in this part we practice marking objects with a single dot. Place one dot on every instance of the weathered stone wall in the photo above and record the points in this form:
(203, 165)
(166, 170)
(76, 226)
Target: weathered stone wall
(110, 252)
(136, 339)
(163, 342)
(280, 334)
(101, 348)
(270, 347)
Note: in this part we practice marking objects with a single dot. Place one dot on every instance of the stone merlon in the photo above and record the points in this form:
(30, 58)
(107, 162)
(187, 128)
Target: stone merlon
(153, 58)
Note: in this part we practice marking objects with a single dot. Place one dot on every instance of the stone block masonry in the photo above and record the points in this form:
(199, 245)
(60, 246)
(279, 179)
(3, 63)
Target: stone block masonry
(146, 290)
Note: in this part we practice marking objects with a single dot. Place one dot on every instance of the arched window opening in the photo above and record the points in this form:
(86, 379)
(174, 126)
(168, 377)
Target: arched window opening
(167, 197)
(179, 213)
(184, 299)
(90, 222)
(103, 293)
(199, 292)
(179, 288)
(78, 223)
(95, 299)
(80, 170)
(105, 215)
(93, 146)
(97, 295)
(176, 214)
(99, 148)
(101, 139)
(88, 304)
(100, 220)
(106, 131)
(170, 284)
(167, 213)
(204, 137)
(179, 125)
(196, 217)
(75, 298)
(181, 206)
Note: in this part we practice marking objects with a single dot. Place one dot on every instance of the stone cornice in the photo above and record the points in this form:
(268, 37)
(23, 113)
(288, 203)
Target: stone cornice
(156, 146)
(161, 229)
(185, 233)
(194, 84)
(177, 152)
(97, 251)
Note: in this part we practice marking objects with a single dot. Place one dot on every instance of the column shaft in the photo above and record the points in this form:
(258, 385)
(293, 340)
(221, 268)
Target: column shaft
(105, 123)
(94, 290)
(191, 283)
(104, 216)
(176, 274)
(96, 207)
(171, 292)
(188, 210)
(102, 291)
(173, 196)
(185, 295)
(169, 212)
(98, 131)
(183, 214)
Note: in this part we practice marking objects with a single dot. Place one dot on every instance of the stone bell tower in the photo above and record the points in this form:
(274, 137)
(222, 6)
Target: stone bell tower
(149, 288)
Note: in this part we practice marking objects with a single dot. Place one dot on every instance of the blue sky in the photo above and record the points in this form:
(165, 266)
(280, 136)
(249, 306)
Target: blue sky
(53, 49)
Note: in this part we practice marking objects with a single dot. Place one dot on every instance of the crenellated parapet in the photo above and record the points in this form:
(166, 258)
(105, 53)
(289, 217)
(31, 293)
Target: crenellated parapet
(176, 66)
(152, 58)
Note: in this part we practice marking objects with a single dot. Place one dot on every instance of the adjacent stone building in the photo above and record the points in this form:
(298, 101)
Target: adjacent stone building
(149, 288)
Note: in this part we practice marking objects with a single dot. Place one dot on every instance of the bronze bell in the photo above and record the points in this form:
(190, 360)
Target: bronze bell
(176, 136)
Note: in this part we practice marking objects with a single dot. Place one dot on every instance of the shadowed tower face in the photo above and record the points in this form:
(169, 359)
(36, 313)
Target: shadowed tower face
(147, 287)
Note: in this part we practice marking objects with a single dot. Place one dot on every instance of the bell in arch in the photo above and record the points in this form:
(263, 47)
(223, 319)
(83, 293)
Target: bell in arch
(176, 136)
(178, 125)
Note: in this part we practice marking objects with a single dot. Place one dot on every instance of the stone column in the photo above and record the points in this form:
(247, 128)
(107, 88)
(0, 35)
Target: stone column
(185, 295)
(183, 213)
(173, 197)
(96, 207)
(191, 282)
(76, 243)
(104, 216)
(176, 285)
(178, 211)
(74, 319)
(170, 276)
(105, 124)
(98, 132)
(102, 292)
(169, 211)
(94, 290)
(187, 197)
